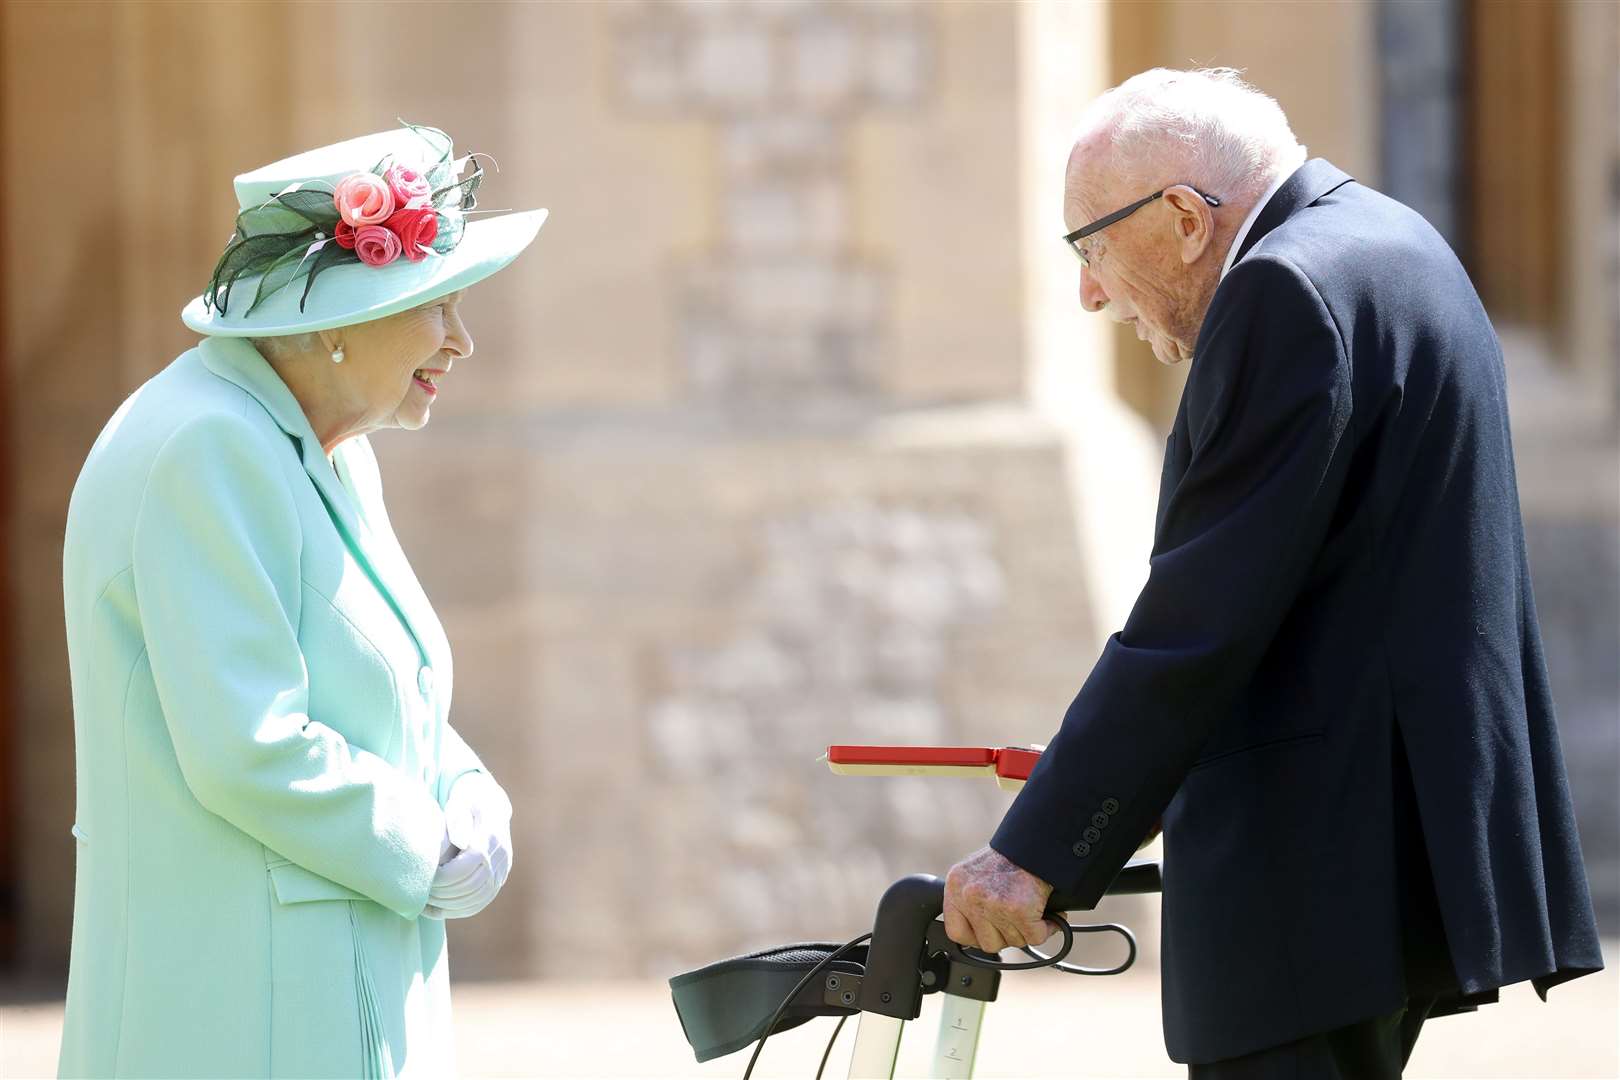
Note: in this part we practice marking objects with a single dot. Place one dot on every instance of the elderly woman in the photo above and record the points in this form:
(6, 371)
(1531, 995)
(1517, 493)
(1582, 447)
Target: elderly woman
(274, 815)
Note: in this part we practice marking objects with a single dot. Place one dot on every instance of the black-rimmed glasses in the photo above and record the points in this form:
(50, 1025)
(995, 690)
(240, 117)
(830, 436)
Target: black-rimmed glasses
(1074, 238)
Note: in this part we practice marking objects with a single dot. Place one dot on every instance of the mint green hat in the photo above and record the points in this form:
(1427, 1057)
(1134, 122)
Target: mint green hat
(294, 265)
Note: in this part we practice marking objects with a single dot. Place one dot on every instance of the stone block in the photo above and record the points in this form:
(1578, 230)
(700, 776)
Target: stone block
(787, 292)
(731, 66)
(897, 65)
(651, 61)
(784, 216)
(824, 64)
(778, 142)
(756, 326)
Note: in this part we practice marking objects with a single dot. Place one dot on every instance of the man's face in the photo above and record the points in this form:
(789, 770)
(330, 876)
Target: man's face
(1152, 269)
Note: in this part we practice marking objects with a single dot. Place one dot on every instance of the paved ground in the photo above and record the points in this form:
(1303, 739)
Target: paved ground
(1043, 1026)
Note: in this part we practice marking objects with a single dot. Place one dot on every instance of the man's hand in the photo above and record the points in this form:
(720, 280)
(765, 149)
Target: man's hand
(993, 905)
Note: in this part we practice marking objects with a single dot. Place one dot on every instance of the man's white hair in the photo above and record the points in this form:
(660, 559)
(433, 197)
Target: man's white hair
(1229, 138)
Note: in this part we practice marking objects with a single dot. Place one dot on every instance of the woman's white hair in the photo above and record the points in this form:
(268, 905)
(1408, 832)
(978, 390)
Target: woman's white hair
(1222, 134)
(287, 347)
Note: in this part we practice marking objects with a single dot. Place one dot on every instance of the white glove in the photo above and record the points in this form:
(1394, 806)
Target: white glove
(476, 855)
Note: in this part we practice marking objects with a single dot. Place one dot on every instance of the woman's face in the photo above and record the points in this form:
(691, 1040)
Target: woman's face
(395, 367)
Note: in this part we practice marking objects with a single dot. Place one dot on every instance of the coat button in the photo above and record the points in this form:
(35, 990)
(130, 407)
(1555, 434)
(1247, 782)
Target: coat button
(1100, 820)
(1091, 834)
(424, 681)
(1082, 849)
(1110, 807)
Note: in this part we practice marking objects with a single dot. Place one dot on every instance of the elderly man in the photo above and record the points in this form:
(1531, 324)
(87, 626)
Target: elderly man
(1331, 690)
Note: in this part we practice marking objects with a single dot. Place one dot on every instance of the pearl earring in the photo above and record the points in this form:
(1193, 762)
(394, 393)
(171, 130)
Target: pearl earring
(337, 355)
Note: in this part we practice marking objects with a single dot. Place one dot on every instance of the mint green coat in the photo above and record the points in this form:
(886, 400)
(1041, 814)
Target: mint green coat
(260, 698)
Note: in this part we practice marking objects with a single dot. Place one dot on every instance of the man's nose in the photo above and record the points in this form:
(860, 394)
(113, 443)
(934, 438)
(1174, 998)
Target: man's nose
(1092, 296)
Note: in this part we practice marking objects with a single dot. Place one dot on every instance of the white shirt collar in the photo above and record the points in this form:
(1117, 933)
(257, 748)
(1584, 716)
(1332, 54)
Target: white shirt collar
(1248, 222)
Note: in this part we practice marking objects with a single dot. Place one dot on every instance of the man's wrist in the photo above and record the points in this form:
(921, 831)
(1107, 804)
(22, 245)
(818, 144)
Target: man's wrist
(1046, 886)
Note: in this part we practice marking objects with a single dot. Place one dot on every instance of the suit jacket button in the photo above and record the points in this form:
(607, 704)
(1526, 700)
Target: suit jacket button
(1091, 834)
(1110, 807)
(1082, 849)
(1100, 820)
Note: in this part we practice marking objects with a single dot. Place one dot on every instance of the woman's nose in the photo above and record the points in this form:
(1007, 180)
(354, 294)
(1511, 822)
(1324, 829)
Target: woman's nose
(456, 337)
(1092, 295)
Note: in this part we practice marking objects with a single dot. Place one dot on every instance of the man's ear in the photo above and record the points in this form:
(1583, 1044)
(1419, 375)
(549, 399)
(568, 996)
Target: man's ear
(1193, 221)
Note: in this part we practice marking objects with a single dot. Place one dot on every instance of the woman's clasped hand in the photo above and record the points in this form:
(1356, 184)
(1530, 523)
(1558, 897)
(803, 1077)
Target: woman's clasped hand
(476, 854)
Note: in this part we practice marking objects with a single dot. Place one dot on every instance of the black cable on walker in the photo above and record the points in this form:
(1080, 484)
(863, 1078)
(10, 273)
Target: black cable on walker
(776, 1017)
(827, 1053)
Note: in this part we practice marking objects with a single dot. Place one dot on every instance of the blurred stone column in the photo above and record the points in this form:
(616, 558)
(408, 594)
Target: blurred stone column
(779, 303)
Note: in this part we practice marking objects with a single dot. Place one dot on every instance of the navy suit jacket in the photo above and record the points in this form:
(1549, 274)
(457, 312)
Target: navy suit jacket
(1332, 687)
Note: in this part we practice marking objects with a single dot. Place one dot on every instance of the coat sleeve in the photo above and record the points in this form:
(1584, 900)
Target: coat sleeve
(1268, 412)
(216, 568)
(456, 759)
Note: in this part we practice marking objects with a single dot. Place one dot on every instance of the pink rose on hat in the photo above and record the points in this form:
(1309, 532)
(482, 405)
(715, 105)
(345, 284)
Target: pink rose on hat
(416, 227)
(364, 199)
(409, 186)
(377, 245)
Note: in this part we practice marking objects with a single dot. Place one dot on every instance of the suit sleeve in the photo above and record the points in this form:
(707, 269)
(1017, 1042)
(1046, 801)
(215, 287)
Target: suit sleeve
(216, 567)
(1268, 411)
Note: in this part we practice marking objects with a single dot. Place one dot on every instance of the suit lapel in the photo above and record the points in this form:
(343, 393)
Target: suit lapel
(238, 362)
(1310, 182)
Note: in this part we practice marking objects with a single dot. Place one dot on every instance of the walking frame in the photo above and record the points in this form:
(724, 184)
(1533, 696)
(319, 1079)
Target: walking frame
(882, 976)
